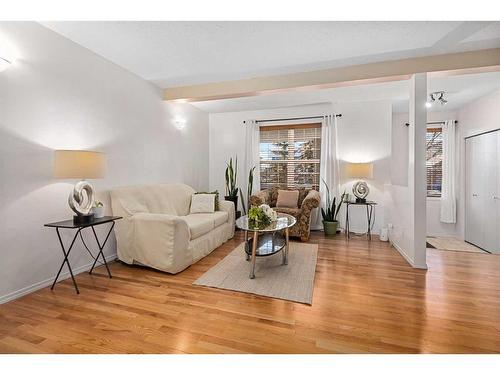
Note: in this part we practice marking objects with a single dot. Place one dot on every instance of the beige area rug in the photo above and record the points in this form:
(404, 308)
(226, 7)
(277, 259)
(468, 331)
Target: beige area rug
(292, 282)
(453, 244)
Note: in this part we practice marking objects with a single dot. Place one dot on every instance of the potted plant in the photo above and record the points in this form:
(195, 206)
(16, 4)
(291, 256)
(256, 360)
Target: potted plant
(231, 189)
(330, 222)
(98, 209)
(261, 216)
(246, 202)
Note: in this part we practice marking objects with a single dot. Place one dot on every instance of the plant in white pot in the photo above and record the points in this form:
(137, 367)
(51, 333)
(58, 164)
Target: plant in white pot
(330, 214)
(98, 210)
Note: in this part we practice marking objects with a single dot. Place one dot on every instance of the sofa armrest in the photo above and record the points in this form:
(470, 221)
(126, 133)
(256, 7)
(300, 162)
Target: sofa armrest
(312, 200)
(161, 241)
(259, 198)
(228, 207)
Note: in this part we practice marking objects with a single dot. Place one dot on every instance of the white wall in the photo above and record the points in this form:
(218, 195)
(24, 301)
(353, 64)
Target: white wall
(363, 135)
(60, 95)
(399, 170)
(399, 149)
(406, 206)
(477, 117)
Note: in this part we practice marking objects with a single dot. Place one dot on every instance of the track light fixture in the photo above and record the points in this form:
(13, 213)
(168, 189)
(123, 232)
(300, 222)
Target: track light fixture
(436, 96)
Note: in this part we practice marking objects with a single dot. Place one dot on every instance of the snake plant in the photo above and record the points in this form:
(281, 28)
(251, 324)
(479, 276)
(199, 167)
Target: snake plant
(231, 175)
(332, 209)
(249, 191)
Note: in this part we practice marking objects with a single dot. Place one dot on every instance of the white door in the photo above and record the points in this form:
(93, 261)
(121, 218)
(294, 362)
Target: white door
(490, 166)
(496, 198)
(473, 157)
(482, 191)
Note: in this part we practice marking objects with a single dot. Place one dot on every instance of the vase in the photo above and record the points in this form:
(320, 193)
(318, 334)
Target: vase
(330, 227)
(98, 212)
(234, 200)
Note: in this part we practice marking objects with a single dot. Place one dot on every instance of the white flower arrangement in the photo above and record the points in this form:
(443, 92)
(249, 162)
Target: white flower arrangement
(262, 215)
(269, 212)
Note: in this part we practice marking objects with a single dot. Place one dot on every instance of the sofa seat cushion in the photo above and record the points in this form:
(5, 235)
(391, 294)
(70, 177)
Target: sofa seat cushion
(200, 224)
(220, 217)
(295, 212)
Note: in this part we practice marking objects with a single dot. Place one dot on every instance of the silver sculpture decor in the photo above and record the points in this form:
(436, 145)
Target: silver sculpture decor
(360, 190)
(81, 199)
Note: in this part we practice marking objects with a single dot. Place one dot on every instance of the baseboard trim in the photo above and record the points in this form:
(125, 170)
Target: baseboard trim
(403, 254)
(42, 284)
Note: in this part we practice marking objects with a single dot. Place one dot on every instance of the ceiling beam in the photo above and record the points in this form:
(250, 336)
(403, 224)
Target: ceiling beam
(336, 77)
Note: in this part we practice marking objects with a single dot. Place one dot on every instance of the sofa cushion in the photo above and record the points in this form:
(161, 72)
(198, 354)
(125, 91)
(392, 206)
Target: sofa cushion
(273, 195)
(202, 203)
(217, 201)
(220, 217)
(302, 195)
(288, 198)
(200, 224)
(172, 199)
(295, 212)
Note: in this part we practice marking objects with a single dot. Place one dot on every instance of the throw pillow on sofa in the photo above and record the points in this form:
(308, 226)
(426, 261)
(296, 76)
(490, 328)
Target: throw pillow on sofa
(288, 198)
(216, 192)
(202, 204)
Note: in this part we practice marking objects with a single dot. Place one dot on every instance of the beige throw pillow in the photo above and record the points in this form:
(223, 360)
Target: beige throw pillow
(288, 198)
(202, 203)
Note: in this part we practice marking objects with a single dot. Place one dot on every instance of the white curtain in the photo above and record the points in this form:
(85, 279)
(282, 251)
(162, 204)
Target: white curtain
(329, 168)
(252, 155)
(448, 195)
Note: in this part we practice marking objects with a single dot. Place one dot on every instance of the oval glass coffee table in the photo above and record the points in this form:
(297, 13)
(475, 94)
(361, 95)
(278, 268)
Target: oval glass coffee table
(266, 240)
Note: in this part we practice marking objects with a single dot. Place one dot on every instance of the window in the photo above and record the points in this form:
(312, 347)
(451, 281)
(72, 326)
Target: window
(434, 161)
(290, 156)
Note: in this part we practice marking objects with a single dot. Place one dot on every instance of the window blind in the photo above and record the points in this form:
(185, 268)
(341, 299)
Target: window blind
(434, 161)
(290, 156)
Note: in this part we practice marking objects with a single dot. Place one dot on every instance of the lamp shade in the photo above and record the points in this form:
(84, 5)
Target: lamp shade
(360, 170)
(79, 164)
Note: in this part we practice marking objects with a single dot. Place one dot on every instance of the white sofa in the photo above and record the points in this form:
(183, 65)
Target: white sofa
(157, 230)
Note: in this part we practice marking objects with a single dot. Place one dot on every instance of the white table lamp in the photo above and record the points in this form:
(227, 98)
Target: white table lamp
(76, 164)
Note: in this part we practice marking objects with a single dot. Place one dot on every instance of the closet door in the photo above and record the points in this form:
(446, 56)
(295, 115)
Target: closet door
(473, 205)
(496, 198)
(490, 166)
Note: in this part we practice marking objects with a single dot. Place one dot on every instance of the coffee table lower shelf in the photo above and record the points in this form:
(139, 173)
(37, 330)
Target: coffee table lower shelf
(266, 240)
(268, 244)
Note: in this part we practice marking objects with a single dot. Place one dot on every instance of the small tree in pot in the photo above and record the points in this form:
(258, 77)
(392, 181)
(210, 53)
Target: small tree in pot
(330, 222)
(231, 189)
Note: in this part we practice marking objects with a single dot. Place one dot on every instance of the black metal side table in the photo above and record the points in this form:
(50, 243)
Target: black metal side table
(370, 205)
(69, 224)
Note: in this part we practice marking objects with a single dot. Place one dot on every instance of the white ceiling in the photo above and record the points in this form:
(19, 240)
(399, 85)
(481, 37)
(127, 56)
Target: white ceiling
(459, 91)
(184, 53)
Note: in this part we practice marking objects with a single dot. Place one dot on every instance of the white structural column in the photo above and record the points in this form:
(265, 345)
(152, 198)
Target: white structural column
(416, 169)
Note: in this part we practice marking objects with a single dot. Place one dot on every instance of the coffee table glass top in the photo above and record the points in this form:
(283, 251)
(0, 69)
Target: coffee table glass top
(284, 221)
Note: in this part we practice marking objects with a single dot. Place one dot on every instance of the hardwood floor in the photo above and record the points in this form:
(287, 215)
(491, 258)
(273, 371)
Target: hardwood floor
(366, 299)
